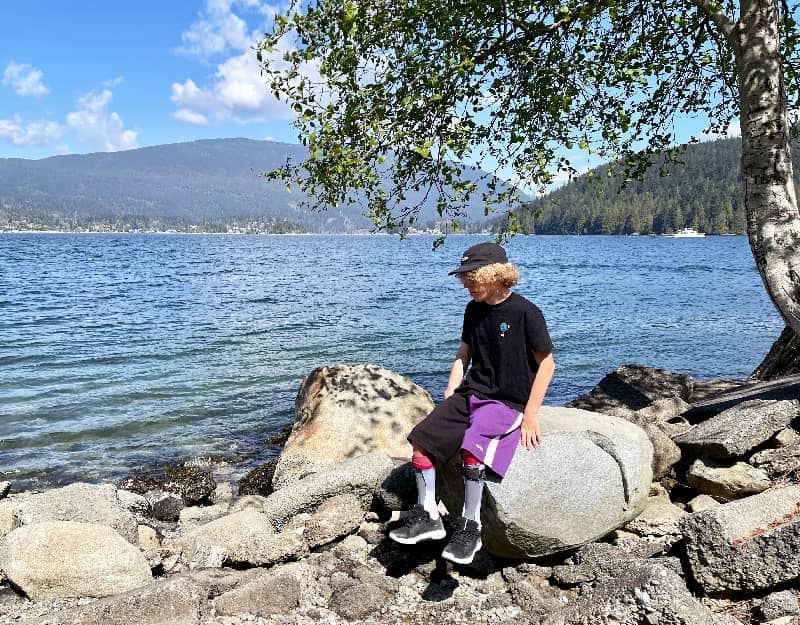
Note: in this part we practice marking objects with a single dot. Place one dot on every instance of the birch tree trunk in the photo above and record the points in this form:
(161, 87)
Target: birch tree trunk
(773, 221)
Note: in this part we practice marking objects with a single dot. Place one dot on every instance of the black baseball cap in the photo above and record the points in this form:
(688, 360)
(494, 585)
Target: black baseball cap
(479, 256)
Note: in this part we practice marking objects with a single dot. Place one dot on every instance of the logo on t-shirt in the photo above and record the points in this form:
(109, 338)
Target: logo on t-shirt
(504, 327)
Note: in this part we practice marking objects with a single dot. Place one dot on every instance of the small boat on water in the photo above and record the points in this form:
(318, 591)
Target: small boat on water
(685, 233)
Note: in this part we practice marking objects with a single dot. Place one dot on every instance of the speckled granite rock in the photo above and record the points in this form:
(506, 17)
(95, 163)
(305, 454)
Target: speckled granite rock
(590, 475)
(734, 432)
(376, 407)
(747, 545)
(640, 592)
(57, 559)
(82, 503)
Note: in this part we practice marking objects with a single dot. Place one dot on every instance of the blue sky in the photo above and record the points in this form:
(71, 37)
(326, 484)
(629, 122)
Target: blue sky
(88, 76)
(104, 75)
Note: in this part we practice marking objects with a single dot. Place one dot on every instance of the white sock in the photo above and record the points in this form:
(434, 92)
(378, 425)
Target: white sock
(473, 495)
(426, 490)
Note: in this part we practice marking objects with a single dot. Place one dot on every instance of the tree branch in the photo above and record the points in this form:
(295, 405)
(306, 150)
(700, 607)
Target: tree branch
(722, 21)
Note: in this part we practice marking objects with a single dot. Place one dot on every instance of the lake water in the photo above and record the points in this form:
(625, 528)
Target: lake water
(122, 352)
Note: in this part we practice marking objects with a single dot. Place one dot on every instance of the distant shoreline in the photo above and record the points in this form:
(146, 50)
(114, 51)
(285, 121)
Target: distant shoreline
(171, 232)
(330, 234)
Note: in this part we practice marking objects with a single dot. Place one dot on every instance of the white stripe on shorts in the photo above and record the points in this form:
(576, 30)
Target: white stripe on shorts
(491, 450)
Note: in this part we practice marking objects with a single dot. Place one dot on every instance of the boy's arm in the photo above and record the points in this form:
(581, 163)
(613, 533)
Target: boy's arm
(460, 364)
(530, 436)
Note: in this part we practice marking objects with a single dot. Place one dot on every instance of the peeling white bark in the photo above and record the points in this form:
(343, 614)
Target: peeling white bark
(773, 220)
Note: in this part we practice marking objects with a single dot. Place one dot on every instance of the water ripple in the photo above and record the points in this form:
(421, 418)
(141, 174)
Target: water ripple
(124, 351)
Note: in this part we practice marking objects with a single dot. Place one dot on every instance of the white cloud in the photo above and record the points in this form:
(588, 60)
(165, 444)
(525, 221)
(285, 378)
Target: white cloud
(24, 79)
(218, 29)
(96, 125)
(238, 93)
(32, 134)
(190, 117)
(114, 82)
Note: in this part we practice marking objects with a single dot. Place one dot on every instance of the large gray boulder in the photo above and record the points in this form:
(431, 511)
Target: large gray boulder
(590, 475)
(241, 538)
(267, 592)
(339, 516)
(748, 545)
(359, 476)
(638, 592)
(82, 503)
(374, 407)
(175, 601)
(60, 559)
(630, 388)
(736, 431)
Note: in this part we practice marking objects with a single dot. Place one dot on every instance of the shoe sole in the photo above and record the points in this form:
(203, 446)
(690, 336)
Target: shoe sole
(434, 535)
(466, 560)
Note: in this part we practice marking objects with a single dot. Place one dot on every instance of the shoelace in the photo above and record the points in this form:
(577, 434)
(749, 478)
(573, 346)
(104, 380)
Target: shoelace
(464, 535)
(417, 513)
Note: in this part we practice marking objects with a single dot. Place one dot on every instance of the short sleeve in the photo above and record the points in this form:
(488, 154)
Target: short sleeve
(537, 336)
(468, 325)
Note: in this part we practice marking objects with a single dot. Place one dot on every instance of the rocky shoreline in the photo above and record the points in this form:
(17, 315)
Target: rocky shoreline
(708, 532)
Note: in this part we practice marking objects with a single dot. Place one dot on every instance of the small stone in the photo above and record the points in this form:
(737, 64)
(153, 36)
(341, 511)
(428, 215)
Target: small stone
(133, 502)
(727, 482)
(193, 484)
(165, 506)
(359, 601)
(659, 518)
(372, 532)
(702, 502)
(336, 517)
(5, 488)
(778, 604)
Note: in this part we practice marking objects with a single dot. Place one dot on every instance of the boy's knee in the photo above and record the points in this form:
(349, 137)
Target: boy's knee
(468, 458)
(471, 467)
(421, 461)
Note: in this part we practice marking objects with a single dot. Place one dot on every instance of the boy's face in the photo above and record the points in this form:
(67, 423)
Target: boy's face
(482, 291)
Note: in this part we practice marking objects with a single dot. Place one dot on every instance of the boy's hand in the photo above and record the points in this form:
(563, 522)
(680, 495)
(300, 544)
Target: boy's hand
(448, 391)
(530, 435)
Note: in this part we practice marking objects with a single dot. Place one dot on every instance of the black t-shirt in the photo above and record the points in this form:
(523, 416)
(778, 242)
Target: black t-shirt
(503, 338)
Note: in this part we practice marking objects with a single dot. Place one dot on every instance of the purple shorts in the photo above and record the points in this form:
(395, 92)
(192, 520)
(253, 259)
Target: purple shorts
(486, 428)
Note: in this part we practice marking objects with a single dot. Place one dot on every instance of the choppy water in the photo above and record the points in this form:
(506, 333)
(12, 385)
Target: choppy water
(119, 352)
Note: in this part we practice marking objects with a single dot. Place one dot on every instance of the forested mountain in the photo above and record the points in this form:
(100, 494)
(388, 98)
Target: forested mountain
(703, 191)
(205, 184)
(209, 184)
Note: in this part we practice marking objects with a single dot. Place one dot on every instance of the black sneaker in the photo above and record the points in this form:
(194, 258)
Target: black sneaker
(417, 525)
(465, 542)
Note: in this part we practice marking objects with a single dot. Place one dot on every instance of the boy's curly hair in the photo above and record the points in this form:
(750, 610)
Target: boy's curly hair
(506, 273)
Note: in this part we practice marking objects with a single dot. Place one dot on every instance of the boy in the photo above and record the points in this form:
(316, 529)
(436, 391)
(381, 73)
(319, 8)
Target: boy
(488, 413)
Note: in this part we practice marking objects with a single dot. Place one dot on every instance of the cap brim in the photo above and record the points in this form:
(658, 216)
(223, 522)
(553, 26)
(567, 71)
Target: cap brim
(467, 268)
